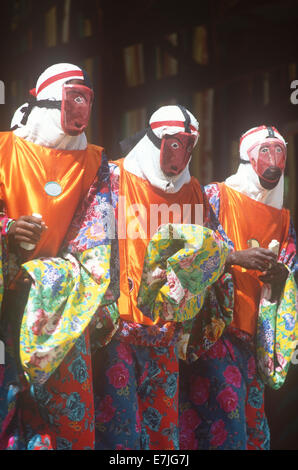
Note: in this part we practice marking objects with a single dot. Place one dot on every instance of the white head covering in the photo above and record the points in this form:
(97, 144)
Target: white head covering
(144, 159)
(43, 126)
(246, 180)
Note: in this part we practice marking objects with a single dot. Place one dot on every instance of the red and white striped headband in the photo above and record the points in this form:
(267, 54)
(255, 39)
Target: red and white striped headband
(59, 76)
(157, 124)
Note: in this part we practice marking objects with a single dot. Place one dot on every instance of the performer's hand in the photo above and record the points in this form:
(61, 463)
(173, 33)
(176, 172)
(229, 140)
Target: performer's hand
(27, 229)
(277, 274)
(256, 258)
(276, 277)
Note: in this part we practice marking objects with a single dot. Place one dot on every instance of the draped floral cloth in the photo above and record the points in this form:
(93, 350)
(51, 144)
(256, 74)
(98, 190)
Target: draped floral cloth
(71, 330)
(138, 395)
(64, 302)
(66, 292)
(221, 398)
(276, 322)
(137, 400)
(181, 262)
(58, 414)
(277, 334)
(222, 387)
(142, 407)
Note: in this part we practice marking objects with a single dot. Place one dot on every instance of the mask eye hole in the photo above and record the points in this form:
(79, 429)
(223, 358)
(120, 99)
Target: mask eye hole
(175, 145)
(79, 100)
(278, 149)
(264, 150)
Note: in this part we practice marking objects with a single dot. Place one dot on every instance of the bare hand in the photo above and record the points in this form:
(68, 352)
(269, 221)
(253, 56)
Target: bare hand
(277, 274)
(27, 229)
(259, 259)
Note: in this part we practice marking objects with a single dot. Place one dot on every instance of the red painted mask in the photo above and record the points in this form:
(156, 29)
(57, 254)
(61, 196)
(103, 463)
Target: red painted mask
(175, 152)
(75, 109)
(268, 157)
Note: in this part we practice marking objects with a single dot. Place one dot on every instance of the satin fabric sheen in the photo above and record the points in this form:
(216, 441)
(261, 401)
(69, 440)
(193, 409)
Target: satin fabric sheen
(136, 190)
(244, 219)
(25, 168)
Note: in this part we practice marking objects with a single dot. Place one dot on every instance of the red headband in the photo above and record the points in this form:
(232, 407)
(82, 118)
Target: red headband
(54, 78)
(156, 124)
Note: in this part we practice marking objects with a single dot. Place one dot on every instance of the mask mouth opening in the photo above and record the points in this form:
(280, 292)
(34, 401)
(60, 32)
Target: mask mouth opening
(76, 129)
(272, 174)
(268, 159)
(172, 171)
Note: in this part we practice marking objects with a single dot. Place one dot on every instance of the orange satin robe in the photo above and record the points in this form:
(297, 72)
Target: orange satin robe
(136, 190)
(244, 219)
(25, 168)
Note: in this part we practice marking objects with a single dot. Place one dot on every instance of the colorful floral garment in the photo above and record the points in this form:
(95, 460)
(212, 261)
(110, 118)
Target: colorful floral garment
(136, 405)
(138, 358)
(181, 262)
(137, 400)
(277, 335)
(242, 424)
(57, 409)
(58, 414)
(277, 324)
(221, 401)
(66, 292)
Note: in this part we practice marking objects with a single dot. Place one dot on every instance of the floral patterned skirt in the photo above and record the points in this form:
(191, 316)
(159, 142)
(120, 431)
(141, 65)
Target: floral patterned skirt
(137, 398)
(56, 415)
(221, 398)
(123, 396)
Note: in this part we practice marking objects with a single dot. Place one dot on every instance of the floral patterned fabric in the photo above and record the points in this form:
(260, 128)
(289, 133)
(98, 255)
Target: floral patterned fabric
(127, 397)
(66, 292)
(181, 262)
(287, 254)
(56, 415)
(277, 334)
(251, 424)
(221, 403)
(137, 401)
(59, 413)
(277, 327)
(62, 301)
(215, 316)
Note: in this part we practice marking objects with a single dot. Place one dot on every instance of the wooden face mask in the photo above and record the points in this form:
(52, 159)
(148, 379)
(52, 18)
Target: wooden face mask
(268, 159)
(75, 108)
(175, 152)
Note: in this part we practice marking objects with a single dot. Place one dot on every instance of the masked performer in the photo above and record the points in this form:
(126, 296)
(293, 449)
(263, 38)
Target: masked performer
(222, 392)
(47, 168)
(167, 263)
(137, 405)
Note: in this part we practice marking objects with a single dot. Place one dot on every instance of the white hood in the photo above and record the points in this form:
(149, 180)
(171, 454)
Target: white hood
(246, 180)
(144, 159)
(43, 126)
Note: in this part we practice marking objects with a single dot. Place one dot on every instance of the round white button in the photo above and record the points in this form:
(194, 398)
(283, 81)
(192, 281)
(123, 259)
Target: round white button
(52, 188)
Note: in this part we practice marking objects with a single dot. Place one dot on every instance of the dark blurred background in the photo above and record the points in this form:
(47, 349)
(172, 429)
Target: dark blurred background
(232, 63)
